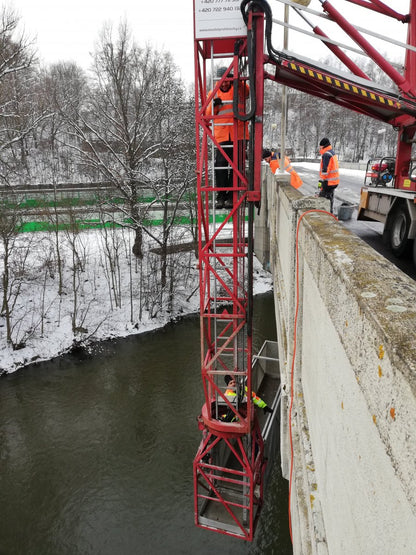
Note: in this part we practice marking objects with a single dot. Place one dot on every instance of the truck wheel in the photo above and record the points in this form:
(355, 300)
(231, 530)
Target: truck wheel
(414, 252)
(399, 230)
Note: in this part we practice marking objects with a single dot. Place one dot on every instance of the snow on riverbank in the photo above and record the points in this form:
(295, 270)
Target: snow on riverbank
(43, 319)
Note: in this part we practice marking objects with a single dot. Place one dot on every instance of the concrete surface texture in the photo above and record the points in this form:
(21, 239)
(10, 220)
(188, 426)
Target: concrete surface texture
(350, 394)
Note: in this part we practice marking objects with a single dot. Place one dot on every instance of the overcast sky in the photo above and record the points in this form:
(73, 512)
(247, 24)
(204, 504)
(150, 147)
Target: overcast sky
(68, 31)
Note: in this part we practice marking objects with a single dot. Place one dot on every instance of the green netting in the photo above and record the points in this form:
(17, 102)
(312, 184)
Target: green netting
(98, 224)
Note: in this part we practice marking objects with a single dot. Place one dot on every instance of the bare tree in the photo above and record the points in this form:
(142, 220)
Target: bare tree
(111, 241)
(14, 266)
(174, 176)
(15, 51)
(63, 87)
(79, 256)
(117, 123)
(20, 112)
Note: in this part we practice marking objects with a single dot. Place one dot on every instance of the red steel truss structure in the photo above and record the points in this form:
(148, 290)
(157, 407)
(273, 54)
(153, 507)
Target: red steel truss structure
(229, 464)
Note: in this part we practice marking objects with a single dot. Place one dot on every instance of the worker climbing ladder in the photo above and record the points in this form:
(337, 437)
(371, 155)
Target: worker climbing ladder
(229, 464)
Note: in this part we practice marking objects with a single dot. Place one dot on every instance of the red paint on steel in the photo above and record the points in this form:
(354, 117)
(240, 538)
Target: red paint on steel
(229, 464)
(374, 54)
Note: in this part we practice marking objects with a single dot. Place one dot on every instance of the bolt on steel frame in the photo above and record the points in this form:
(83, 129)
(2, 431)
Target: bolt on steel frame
(229, 464)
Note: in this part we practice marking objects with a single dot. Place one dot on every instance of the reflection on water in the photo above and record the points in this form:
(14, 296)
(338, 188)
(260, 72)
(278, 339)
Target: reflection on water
(96, 452)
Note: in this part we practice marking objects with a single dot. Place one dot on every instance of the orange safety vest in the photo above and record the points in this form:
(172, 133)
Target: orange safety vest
(224, 126)
(295, 180)
(332, 171)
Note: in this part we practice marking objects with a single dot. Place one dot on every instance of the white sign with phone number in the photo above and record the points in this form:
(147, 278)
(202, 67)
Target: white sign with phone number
(218, 18)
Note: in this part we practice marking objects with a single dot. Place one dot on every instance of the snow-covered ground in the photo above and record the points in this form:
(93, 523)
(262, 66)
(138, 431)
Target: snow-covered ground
(43, 319)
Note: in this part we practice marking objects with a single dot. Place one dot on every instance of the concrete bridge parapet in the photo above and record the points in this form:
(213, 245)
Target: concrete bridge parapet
(350, 395)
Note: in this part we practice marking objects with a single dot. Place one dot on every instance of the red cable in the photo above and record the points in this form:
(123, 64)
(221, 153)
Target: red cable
(294, 355)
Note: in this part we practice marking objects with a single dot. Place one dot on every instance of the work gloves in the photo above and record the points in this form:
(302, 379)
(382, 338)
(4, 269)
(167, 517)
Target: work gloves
(217, 101)
(268, 409)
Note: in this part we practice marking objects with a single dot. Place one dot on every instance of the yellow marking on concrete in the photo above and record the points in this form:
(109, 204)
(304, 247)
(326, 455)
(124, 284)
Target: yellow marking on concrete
(374, 419)
(380, 371)
(393, 413)
(381, 352)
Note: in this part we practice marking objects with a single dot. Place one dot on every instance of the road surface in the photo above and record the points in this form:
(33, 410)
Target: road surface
(348, 190)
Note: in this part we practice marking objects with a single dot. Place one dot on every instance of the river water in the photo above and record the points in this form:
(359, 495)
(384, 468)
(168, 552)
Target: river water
(96, 452)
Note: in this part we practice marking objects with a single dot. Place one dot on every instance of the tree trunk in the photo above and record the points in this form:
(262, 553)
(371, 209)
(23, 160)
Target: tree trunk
(138, 243)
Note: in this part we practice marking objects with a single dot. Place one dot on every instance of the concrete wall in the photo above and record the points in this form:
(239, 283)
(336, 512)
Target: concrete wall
(352, 407)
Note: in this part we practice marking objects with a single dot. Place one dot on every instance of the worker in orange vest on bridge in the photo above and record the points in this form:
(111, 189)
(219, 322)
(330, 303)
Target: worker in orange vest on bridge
(328, 171)
(273, 159)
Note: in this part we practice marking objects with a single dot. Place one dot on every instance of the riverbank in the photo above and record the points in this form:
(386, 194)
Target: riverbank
(44, 321)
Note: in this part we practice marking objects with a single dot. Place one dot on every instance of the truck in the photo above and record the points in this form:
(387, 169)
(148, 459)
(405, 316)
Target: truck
(383, 200)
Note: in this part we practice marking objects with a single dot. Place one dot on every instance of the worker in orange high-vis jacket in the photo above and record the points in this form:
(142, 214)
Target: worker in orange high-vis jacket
(223, 128)
(329, 171)
(273, 159)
